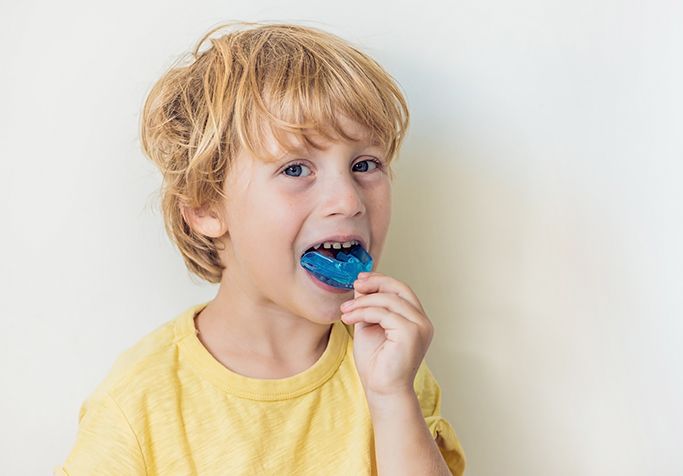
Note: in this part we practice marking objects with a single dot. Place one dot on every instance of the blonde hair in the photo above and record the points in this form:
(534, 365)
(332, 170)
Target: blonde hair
(293, 79)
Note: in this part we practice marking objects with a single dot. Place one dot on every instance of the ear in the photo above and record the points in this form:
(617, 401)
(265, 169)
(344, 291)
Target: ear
(204, 220)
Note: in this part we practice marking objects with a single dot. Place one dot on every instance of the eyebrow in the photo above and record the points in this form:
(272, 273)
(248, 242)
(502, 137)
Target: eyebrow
(364, 143)
(293, 152)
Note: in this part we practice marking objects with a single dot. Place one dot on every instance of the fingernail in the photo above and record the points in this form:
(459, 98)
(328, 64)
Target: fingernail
(346, 304)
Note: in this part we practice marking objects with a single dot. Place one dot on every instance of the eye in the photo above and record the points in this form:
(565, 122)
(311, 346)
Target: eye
(375, 162)
(294, 167)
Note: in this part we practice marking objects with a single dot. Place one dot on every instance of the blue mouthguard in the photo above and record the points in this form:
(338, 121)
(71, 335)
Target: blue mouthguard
(340, 272)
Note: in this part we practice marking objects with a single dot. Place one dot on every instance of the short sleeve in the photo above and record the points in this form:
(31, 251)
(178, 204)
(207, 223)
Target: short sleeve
(429, 395)
(105, 443)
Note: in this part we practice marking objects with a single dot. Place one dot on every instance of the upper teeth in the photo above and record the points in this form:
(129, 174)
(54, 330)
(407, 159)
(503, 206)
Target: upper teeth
(336, 244)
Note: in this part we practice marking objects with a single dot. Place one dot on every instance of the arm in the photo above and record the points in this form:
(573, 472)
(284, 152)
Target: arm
(105, 442)
(403, 442)
(390, 338)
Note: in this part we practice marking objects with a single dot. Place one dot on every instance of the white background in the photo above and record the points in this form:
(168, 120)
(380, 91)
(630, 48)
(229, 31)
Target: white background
(538, 215)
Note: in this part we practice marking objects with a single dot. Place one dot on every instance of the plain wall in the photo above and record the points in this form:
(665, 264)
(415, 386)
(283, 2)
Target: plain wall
(537, 215)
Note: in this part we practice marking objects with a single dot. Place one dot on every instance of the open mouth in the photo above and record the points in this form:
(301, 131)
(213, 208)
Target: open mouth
(337, 267)
(331, 252)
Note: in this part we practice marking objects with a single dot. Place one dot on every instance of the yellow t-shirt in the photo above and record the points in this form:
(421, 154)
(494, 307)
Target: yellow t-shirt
(168, 407)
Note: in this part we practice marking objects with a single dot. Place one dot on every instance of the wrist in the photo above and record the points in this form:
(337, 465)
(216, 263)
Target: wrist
(382, 406)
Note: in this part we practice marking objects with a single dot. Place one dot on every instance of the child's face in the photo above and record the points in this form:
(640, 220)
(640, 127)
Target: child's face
(276, 211)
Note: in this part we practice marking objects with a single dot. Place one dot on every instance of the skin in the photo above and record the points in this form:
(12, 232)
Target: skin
(391, 336)
(268, 318)
(268, 311)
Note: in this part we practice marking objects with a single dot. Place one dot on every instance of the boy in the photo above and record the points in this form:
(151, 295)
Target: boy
(275, 141)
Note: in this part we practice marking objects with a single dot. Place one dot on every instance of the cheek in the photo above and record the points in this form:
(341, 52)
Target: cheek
(381, 206)
(380, 217)
(286, 217)
(278, 227)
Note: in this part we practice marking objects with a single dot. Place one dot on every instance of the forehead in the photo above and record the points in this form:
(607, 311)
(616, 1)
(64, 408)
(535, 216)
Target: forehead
(278, 144)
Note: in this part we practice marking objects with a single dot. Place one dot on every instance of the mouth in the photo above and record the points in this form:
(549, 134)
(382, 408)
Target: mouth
(332, 245)
(336, 266)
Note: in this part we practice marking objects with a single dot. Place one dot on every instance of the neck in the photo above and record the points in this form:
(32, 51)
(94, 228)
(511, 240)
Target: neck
(239, 323)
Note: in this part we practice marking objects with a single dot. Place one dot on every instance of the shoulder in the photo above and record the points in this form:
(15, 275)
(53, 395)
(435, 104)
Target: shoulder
(145, 361)
(105, 442)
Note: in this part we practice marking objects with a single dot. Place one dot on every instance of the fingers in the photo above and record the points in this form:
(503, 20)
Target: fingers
(378, 282)
(386, 295)
(388, 320)
(392, 302)
(396, 327)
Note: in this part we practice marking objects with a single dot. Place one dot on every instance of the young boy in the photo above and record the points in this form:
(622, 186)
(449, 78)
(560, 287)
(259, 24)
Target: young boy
(276, 139)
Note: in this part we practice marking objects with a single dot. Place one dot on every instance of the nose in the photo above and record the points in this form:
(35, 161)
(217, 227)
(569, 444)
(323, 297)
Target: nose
(343, 196)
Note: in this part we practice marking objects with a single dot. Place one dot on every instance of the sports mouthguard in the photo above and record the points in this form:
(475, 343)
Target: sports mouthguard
(340, 272)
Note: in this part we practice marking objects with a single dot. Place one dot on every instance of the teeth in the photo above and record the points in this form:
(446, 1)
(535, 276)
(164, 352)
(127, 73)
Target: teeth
(336, 245)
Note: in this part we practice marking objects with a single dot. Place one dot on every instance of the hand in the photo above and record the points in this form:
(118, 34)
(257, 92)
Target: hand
(391, 335)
